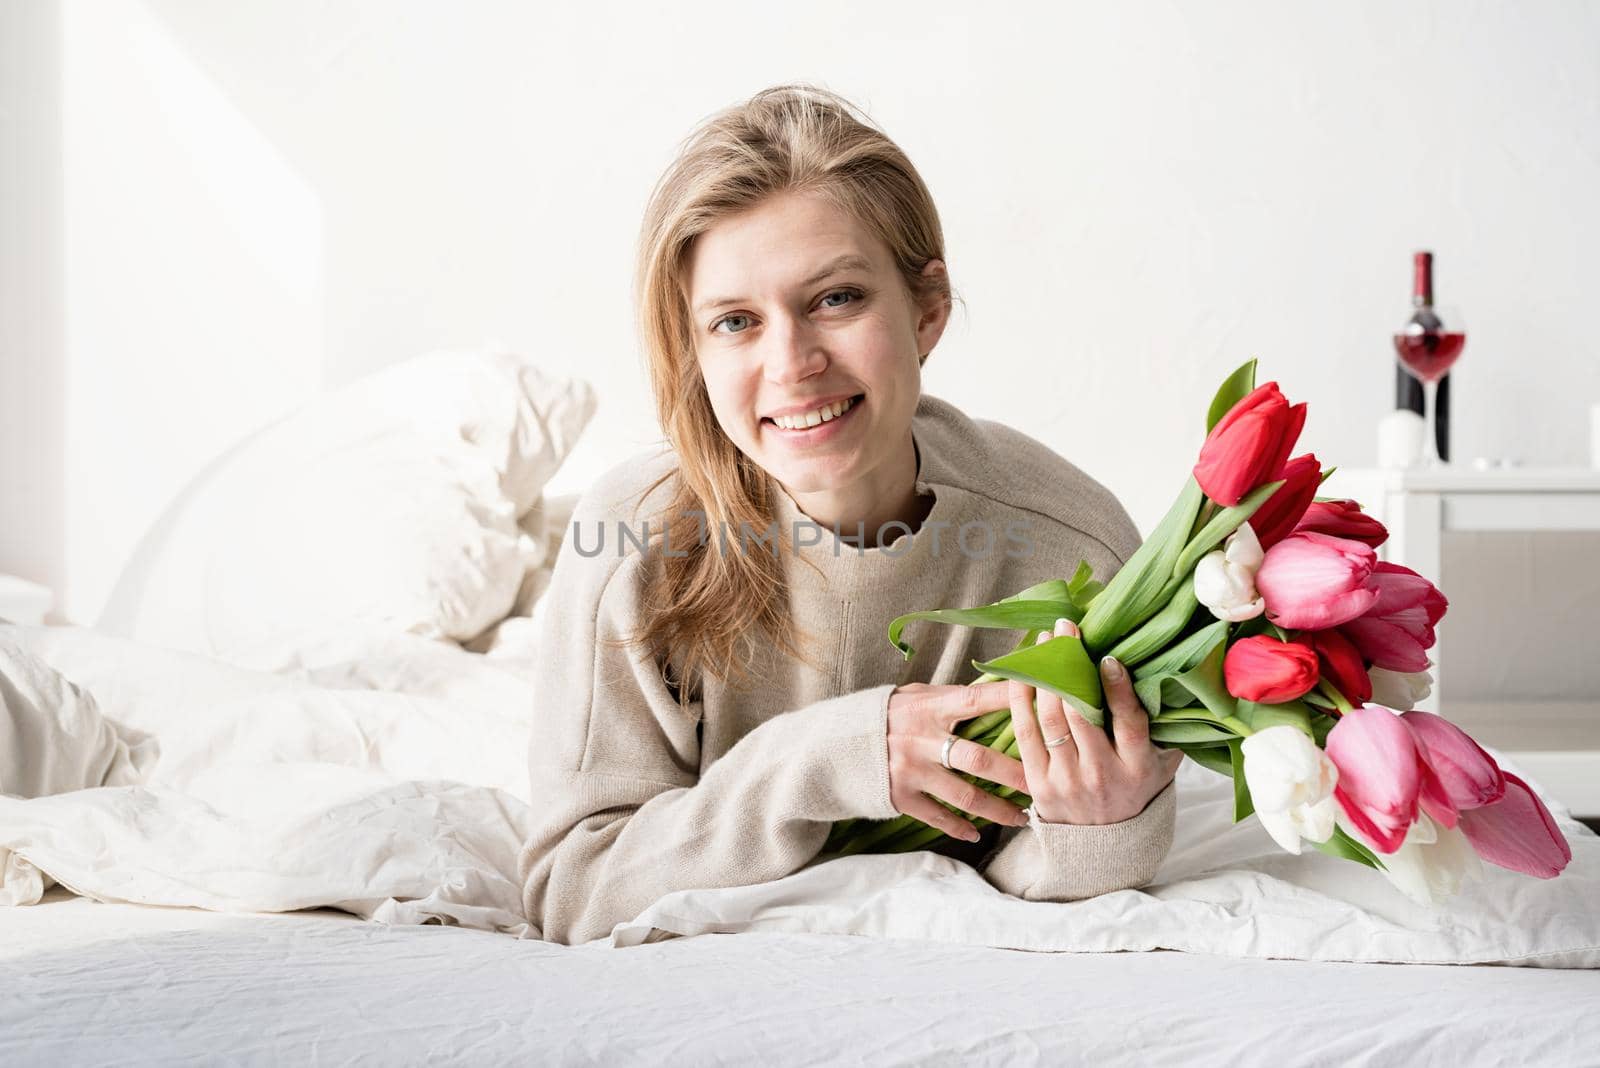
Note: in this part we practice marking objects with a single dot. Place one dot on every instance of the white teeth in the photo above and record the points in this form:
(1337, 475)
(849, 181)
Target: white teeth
(811, 419)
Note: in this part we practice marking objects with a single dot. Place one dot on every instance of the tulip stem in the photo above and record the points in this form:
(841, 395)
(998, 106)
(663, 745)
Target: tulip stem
(1331, 692)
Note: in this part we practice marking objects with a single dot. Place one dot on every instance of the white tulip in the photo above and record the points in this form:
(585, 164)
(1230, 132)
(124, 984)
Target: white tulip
(1399, 689)
(1430, 865)
(1291, 785)
(1225, 579)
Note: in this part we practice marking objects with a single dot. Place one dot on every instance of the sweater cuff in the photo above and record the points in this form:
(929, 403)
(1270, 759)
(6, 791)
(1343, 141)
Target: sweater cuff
(861, 727)
(1085, 860)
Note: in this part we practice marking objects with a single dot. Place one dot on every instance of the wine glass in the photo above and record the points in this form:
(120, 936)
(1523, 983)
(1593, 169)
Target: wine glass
(1428, 346)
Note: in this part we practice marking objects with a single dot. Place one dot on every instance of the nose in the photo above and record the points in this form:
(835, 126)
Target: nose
(794, 352)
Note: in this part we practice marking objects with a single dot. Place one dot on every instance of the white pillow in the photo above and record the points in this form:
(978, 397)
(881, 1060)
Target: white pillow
(393, 502)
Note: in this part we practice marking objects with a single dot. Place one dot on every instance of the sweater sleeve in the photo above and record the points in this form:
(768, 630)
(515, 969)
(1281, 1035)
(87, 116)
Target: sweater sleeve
(624, 813)
(1068, 862)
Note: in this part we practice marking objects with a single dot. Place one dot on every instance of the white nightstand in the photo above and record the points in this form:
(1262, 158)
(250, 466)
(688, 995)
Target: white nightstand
(22, 601)
(1557, 742)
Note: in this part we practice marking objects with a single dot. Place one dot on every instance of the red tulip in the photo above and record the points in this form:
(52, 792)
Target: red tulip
(1278, 514)
(1268, 671)
(1518, 832)
(1397, 630)
(1313, 581)
(1341, 665)
(1249, 445)
(1343, 519)
(1380, 774)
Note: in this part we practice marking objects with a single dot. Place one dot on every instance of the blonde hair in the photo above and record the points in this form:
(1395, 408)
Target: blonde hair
(702, 608)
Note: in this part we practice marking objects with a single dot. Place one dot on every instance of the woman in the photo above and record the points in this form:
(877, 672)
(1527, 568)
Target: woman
(719, 687)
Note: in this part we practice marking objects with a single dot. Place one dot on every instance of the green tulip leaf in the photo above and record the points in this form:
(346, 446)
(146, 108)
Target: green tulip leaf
(1243, 806)
(1212, 757)
(1321, 724)
(1344, 847)
(1184, 654)
(1006, 615)
(1201, 683)
(1082, 588)
(1061, 666)
(1197, 713)
(1141, 587)
(1221, 525)
(1187, 732)
(1235, 388)
(1260, 717)
(1160, 628)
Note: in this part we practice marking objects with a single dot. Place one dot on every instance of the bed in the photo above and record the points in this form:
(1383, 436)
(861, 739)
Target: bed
(266, 809)
(89, 983)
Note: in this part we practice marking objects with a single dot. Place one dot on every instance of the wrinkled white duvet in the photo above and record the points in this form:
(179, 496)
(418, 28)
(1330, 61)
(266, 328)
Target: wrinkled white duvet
(384, 775)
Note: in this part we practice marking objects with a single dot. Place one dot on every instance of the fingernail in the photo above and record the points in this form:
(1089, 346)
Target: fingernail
(1043, 637)
(1063, 624)
(1111, 669)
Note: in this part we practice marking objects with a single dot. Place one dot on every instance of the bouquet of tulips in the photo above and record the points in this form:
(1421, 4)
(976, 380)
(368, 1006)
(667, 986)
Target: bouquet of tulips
(1268, 643)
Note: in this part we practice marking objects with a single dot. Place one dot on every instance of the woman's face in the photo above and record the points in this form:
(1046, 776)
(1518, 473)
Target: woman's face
(796, 306)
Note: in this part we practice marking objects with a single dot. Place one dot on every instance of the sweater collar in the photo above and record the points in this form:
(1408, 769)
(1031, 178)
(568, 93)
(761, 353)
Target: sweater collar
(843, 566)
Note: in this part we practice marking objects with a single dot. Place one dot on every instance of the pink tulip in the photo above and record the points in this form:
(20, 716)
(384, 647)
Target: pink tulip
(1314, 581)
(1249, 445)
(1469, 777)
(1343, 519)
(1278, 514)
(1398, 630)
(1517, 832)
(1341, 665)
(1380, 774)
(1269, 671)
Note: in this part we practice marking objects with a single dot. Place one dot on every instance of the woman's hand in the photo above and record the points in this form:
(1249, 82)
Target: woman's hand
(921, 717)
(1085, 778)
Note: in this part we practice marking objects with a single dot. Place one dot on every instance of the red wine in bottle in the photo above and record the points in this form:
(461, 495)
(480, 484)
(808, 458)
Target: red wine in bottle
(1434, 347)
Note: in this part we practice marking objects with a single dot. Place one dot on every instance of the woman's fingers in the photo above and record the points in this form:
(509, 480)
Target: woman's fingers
(974, 799)
(988, 764)
(1129, 724)
(955, 706)
(1052, 714)
(932, 813)
(1035, 759)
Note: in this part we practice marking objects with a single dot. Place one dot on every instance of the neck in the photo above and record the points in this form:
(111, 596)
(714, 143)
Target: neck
(862, 509)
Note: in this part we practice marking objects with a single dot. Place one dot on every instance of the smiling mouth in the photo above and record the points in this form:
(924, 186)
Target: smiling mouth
(855, 402)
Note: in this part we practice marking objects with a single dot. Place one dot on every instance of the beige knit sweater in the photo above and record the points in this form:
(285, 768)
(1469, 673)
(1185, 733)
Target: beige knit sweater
(634, 799)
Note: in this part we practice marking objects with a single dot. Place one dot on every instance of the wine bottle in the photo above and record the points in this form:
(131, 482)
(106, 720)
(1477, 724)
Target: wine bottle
(1408, 391)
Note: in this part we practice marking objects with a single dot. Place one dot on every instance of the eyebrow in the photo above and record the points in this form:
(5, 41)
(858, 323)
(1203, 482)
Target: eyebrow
(850, 261)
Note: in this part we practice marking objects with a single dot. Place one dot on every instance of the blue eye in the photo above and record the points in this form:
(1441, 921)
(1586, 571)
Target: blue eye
(854, 294)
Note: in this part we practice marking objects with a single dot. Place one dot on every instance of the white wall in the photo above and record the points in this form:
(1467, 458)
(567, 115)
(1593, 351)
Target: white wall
(262, 199)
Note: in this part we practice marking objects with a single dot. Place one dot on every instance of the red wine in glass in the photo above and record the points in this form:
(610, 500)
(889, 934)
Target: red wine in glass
(1429, 356)
(1427, 346)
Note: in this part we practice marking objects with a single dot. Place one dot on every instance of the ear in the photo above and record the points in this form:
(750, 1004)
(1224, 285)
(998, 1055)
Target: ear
(935, 307)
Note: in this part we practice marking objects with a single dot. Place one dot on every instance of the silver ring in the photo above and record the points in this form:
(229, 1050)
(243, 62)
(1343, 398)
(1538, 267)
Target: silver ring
(1059, 741)
(944, 757)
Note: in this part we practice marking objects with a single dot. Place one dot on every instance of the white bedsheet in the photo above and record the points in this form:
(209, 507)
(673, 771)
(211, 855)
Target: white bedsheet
(273, 794)
(83, 983)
